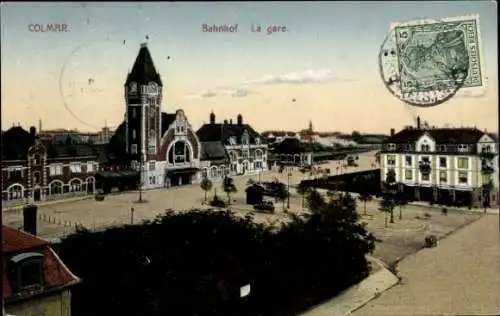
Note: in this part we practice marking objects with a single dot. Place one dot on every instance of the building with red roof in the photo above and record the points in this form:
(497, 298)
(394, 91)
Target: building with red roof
(35, 280)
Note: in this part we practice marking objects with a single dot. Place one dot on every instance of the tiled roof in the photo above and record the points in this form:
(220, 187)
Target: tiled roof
(212, 150)
(144, 71)
(222, 132)
(55, 273)
(440, 135)
(17, 240)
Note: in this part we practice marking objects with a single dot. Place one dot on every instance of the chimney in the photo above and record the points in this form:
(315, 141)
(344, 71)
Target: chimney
(230, 121)
(39, 125)
(418, 122)
(212, 118)
(225, 122)
(32, 131)
(30, 218)
(239, 119)
(393, 131)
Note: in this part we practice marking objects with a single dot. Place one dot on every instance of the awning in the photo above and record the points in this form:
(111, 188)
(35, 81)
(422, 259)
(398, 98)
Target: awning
(182, 171)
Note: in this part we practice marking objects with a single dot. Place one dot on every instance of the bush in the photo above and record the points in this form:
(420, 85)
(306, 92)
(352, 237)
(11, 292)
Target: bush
(217, 202)
(430, 241)
(99, 197)
(193, 263)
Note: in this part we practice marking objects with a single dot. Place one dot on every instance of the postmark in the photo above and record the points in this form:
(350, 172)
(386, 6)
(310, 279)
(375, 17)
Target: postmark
(425, 63)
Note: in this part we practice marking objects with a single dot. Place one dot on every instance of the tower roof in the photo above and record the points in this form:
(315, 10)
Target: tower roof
(144, 71)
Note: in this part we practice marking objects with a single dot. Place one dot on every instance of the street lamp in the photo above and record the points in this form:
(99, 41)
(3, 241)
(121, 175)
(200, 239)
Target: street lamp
(288, 189)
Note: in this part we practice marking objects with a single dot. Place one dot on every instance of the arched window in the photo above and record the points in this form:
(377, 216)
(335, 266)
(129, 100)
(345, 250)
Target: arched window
(233, 156)
(56, 187)
(75, 185)
(258, 154)
(179, 153)
(16, 192)
(213, 172)
(204, 173)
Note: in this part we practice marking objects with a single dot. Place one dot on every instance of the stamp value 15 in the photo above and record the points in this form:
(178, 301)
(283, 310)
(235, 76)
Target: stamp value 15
(426, 62)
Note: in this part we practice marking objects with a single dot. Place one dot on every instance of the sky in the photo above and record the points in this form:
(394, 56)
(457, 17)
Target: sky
(323, 68)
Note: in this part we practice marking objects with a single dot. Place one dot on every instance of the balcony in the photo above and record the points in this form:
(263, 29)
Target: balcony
(488, 155)
(424, 167)
(487, 168)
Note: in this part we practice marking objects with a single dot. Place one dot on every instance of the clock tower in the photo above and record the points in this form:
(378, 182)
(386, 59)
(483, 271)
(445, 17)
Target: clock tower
(143, 95)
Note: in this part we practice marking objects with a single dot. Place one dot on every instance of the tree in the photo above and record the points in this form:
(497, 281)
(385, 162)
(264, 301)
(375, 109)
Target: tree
(193, 263)
(250, 181)
(303, 191)
(229, 187)
(365, 196)
(206, 185)
(387, 205)
(315, 201)
(281, 192)
(401, 201)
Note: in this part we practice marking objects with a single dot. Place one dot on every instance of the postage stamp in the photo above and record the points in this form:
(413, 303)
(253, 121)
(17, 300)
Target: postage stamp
(426, 62)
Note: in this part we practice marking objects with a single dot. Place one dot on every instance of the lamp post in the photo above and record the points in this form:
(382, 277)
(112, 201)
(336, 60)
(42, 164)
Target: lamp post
(288, 189)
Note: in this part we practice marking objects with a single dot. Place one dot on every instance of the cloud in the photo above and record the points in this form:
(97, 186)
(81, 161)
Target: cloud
(304, 77)
(233, 93)
(307, 76)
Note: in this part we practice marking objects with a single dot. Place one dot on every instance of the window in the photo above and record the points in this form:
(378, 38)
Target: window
(134, 134)
(442, 162)
(462, 177)
(36, 177)
(246, 154)
(443, 177)
(442, 148)
(425, 160)
(75, 167)
(391, 160)
(90, 167)
(204, 173)
(134, 112)
(36, 159)
(462, 148)
(213, 172)
(486, 149)
(425, 176)
(408, 161)
(55, 170)
(244, 140)
(425, 148)
(133, 149)
(391, 147)
(463, 163)
(408, 174)
(232, 141)
(152, 180)
(152, 165)
(26, 271)
(257, 141)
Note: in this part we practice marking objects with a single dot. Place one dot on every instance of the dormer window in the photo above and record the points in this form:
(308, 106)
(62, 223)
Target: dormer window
(26, 271)
(232, 141)
(425, 148)
(391, 147)
(244, 140)
(463, 148)
(257, 141)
